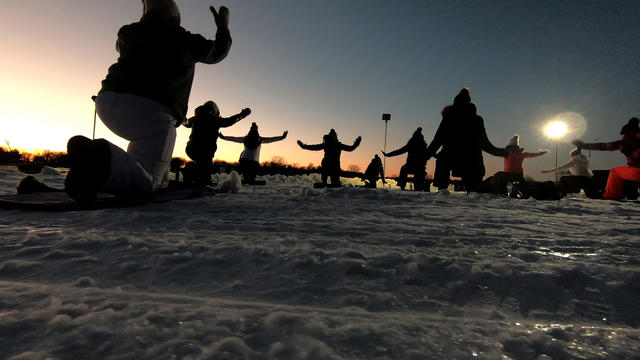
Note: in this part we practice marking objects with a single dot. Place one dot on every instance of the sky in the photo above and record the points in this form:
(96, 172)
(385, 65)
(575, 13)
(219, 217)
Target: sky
(309, 66)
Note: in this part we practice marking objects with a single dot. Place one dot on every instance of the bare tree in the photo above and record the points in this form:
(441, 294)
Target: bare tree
(353, 168)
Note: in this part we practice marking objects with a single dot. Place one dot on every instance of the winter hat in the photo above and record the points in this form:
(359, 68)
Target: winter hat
(575, 152)
(161, 9)
(207, 108)
(514, 141)
(254, 126)
(463, 97)
(333, 133)
(630, 127)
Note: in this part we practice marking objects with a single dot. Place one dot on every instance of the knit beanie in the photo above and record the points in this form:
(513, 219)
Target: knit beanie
(161, 9)
(514, 141)
(630, 127)
(463, 97)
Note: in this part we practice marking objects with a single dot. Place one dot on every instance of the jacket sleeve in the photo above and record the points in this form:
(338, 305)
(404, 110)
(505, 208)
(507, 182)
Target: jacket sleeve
(438, 139)
(610, 146)
(351, 147)
(532, 155)
(266, 140)
(314, 147)
(209, 51)
(238, 139)
(562, 167)
(397, 152)
(487, 145)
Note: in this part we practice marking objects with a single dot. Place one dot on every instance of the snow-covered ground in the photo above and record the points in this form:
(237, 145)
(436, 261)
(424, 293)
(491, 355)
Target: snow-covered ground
(286, 271)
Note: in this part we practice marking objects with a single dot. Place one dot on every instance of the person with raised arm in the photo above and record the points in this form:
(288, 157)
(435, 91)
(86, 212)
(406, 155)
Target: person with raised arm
(629, 145)
(332, 148)
(416, 164)
(462, 137)
(513, 170)
(250, 156)
(202, 144)
(143, 98)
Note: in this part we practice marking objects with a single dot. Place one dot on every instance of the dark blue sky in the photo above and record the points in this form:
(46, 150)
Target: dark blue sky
(308, 66)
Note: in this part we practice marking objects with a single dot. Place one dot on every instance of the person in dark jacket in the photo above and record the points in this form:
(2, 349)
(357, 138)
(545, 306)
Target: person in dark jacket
(250, 156)
(375, 169)
(463, 138)
(629, 145)
(416, 149)
(143, 99)
(332, 148)
(202, 144)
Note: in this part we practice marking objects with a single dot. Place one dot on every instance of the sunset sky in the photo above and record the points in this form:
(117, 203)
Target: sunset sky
(309, 66)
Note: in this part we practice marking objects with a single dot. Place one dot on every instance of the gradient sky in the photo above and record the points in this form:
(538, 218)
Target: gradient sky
(309, 66)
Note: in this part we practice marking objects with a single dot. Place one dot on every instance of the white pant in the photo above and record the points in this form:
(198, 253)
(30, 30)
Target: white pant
(150, 128)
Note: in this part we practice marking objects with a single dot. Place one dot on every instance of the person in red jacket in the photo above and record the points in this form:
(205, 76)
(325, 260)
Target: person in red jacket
(143, 98)
(513, 170)
(629, 145)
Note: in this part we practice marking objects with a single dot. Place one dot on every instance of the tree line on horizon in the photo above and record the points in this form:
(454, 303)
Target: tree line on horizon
(277, 164)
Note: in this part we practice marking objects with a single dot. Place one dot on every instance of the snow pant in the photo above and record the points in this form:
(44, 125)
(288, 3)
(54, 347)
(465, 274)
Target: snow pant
(419, 175)
(330, 171)
(573, 184)
(202, 156)
(471, 178)
(150, 128)
(249, 169)
(615, 182)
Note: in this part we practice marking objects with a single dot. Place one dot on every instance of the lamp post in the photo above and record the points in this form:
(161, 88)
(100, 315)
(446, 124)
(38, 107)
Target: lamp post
(386, 118)
(555, 130)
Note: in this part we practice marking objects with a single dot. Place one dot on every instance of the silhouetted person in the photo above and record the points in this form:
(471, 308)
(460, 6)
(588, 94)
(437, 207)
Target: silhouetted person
(143, 99)
(416, 150)
(629, 145)
(513, 170)
(202, 144)
(331, 161)
(462, 136)
(375, 169)
(250, 156)
(580, 178)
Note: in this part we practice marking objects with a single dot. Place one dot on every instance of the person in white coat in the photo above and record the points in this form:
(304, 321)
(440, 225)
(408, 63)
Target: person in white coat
(250, 156)
(580, 178)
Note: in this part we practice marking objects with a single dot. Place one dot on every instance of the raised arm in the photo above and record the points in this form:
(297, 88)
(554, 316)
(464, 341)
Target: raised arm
(532, 155)
(610, 146)
(487, 146)
(397, 152)
(315, 147)
(351, 147)
(238, 139)
(266, 140)
(559, 168)
(226, 122)
(213, 51)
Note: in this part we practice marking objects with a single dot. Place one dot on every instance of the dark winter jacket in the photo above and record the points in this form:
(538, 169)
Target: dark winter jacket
(416, 149)
(374, 169)
(463, 137)
(332, 150)
(629, 145)
(204, 133)
(157, 61)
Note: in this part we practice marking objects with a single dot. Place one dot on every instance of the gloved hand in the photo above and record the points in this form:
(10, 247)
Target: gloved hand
(221, 17)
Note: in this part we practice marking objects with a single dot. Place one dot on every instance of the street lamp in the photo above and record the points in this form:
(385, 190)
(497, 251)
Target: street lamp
(386, 118)
(555, 130)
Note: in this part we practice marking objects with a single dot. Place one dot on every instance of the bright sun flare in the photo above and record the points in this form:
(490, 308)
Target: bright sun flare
(555, 129)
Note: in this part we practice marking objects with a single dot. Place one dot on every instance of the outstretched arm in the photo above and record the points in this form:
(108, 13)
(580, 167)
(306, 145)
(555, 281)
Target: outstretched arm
(610, 146)
(400, 151)
(351, 147)
(266, 140)
(226, 122)
(532, 155)
(213, 51)
(559, 168)
(315, 147)
(238, 139)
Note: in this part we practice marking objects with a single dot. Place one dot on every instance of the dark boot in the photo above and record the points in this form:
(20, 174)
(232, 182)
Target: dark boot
(90, 168)
(30, 185)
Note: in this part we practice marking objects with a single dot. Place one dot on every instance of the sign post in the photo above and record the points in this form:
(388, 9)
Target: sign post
(386, 118)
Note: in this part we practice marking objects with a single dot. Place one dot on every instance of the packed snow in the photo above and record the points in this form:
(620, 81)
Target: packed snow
(286, 271)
